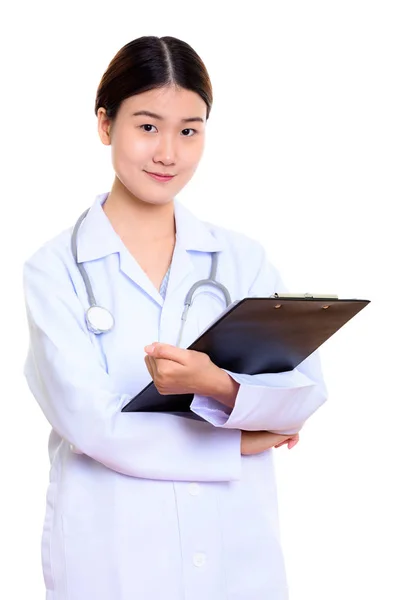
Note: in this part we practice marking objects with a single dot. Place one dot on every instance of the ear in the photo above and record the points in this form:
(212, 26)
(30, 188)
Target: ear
(104, 126)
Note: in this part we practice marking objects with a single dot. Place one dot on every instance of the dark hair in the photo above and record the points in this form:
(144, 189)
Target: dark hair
(148, 63)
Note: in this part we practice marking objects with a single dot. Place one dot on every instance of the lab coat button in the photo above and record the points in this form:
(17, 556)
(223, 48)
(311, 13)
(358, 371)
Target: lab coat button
(199, 559)
(194, 489)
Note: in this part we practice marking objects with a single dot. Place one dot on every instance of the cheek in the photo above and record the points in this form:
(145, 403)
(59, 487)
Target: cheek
(195, 152)
(190, 157)
(129, 151)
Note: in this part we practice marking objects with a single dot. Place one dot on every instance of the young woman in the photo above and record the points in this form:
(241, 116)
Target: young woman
(152, 506)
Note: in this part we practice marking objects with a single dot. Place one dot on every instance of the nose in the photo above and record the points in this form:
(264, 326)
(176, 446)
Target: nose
(166, 151)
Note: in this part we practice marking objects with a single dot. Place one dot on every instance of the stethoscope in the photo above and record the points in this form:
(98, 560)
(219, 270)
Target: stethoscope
(100, 320)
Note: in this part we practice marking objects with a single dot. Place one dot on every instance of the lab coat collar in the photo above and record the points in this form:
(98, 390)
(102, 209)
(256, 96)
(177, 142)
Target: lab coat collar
(97, 238)
(192, 233)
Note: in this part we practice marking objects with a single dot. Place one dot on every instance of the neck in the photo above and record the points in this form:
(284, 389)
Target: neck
(134, 218)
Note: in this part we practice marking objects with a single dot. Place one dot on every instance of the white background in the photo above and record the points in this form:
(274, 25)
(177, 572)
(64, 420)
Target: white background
(303, 154)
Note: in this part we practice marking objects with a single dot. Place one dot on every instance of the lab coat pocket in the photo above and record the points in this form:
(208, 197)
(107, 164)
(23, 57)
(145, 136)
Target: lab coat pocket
(47, 534)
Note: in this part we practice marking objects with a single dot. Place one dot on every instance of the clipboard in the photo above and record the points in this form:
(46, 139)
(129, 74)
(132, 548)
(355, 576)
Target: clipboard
(259, 335)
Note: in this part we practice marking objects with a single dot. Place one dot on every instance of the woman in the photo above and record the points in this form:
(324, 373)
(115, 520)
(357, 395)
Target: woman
(144, 505)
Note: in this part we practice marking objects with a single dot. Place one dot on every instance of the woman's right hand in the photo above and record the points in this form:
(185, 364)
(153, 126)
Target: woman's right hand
(254, 442)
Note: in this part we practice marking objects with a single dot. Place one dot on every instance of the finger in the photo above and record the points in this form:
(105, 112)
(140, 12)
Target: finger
(281, 444)
(149, 366)
(155, 365)
(146, 360)
(290, 441)
(159, 365)
(166, 351)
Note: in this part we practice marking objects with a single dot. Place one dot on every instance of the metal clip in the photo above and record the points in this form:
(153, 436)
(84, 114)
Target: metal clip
(306, 296)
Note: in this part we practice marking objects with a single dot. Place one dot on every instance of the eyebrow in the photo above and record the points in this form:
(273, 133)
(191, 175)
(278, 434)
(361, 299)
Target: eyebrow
(147, 113)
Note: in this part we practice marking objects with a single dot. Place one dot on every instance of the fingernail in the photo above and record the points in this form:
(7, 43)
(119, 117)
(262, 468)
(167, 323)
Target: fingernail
(149, 348)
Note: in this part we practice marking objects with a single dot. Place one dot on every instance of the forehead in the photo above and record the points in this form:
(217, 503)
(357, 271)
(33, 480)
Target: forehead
(172, 103)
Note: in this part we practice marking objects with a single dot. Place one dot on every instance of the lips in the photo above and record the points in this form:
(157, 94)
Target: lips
(160, 176)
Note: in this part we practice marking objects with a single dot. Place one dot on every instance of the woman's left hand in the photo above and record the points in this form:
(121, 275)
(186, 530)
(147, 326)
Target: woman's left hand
(291, 441)
(179, 371)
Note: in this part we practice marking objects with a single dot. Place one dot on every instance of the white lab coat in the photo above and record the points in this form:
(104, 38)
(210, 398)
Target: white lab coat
(145, 506)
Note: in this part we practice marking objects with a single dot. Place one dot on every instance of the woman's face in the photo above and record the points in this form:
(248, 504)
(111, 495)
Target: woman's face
(168, 141)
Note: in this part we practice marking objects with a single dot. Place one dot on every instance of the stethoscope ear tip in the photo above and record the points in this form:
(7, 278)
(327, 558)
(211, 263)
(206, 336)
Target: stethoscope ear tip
(99, 319)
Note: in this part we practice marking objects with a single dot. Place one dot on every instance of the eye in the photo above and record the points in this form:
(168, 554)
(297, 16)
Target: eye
(194, 131)
(147, 125)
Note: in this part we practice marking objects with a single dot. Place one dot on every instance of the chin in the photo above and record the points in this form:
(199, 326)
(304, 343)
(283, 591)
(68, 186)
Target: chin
(158, 202)
(154, 199)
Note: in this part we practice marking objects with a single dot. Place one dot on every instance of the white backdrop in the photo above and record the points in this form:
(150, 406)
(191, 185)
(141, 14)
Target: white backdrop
(303, 154)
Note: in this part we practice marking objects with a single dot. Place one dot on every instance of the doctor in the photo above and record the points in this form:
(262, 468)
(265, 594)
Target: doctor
(145, 506)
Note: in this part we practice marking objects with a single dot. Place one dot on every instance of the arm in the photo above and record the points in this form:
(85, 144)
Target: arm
(275, 402)
(78, 398)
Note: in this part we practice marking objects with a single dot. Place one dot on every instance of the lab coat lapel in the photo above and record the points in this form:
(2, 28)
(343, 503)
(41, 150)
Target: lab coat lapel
(98, 239)
(192, 235)
(131, 268)
(181, 267)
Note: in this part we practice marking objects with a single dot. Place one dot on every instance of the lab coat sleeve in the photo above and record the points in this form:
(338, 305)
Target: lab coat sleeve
(276, 402)
(78, 398)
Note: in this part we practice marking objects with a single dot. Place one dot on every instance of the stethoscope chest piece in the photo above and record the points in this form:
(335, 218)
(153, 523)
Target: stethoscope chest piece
(99, 319)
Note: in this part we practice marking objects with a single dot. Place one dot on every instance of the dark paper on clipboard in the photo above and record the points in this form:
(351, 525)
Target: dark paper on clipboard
(259, 335)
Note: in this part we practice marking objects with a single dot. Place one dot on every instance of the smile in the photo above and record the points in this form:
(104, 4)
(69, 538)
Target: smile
(160, 177)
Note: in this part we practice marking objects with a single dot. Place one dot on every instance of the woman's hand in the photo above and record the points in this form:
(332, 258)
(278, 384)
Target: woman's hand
(291, 441)
(254, 442)
(178, 371)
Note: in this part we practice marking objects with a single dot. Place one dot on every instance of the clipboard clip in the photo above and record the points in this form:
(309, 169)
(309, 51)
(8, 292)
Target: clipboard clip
(306, 296)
